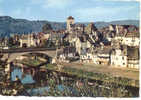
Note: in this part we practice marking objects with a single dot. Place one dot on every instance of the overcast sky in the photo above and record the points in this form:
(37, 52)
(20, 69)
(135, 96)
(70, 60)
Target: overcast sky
(81, 10)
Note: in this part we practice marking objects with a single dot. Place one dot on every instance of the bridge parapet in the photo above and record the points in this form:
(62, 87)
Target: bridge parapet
(10, 55)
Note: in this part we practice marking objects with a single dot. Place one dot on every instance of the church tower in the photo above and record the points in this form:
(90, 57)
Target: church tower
(70, 22)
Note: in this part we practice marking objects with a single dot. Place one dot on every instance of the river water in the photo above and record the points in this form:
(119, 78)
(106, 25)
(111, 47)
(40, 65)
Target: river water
(27, 78)
(40, 91)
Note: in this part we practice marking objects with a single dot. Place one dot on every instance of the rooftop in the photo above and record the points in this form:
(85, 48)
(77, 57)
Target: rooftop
(70, 17)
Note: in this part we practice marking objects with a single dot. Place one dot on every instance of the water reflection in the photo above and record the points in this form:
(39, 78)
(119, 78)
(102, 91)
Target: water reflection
(27, 79)
(45, 90)
(38, 91)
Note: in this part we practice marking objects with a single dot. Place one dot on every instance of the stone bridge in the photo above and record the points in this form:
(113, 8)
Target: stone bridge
(10, 55)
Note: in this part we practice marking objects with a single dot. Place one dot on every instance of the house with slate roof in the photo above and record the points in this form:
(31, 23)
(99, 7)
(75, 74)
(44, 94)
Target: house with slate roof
(129, 37)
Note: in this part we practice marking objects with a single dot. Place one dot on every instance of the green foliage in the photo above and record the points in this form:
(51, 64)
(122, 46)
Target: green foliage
(10, 42)
(46, 28)
(31, 62)
(98, 76)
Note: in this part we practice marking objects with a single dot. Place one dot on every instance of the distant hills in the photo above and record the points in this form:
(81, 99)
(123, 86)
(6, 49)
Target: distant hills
(9, 25)
(120, 22)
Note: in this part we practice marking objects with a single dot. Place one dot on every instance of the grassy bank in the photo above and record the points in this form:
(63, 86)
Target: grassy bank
(96, 76)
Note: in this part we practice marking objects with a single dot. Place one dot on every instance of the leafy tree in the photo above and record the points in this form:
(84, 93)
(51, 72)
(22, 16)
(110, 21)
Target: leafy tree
(10, 42)
(46, 28)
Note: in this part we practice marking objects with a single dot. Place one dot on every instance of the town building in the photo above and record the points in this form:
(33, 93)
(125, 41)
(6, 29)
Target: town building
(28, 41)
(118, 57)
(125, 56)
(68, 54)
(86, 56)
(128, 35)
(3, 43)
(133, 57)
(82, 43)
(103, 55)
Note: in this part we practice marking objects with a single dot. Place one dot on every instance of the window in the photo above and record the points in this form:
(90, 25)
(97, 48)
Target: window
(122, 58)
(88, 57)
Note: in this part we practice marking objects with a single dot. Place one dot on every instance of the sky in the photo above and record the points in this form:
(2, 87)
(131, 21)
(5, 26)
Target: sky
(81, 10)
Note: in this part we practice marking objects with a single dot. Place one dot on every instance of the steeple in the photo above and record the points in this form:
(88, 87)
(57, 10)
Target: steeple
(70, 22)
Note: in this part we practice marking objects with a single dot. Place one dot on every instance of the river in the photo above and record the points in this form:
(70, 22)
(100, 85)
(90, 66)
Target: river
(40, 91)
(68, 86)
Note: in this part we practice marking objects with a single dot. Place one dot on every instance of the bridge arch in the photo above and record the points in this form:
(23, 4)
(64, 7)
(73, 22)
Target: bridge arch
(13, 56)
(10, 55)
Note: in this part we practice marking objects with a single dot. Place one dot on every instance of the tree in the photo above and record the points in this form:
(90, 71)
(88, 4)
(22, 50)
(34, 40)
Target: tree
(10, 42)
(46, 28)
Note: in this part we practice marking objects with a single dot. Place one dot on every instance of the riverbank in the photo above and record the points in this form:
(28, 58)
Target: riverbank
(122, 76)
(105, 69)
(54, 82)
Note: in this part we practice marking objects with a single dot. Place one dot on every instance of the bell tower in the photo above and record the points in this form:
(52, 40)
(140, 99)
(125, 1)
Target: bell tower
(70, 22)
